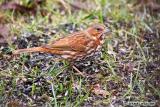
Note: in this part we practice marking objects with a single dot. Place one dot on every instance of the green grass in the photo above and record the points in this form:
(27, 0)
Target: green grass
(125, 76)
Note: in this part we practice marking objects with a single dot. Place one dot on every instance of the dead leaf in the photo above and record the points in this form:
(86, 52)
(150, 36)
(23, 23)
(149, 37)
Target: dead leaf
(20, 80)
(21, 8)
(128, 67)
(3, 18)
(65, 5)
(45, 97)
(86, 6)
(4, 33)
(16, 7)
(99, 91)
(150, 4)
(76, 86)
(15, 103)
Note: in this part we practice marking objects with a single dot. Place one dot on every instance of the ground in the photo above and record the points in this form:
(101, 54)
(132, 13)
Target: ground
(126, 70)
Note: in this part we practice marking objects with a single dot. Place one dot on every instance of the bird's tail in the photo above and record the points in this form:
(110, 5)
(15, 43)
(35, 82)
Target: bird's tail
(29, 50)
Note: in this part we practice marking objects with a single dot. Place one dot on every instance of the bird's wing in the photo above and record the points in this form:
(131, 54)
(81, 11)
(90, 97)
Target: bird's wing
(75, 42)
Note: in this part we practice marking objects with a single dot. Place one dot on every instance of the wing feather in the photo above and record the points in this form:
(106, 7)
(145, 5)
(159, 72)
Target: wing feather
(75, 42)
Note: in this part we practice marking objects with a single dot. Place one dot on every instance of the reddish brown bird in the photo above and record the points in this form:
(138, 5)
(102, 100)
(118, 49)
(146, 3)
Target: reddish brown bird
(76, 46)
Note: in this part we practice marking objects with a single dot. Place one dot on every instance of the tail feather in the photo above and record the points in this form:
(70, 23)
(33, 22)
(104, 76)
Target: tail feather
(38, 49)
(28, 50)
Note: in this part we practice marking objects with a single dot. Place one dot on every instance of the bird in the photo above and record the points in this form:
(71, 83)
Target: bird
(74, 47)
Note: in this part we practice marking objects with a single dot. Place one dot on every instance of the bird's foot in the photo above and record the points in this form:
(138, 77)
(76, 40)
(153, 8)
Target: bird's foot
(78, 71)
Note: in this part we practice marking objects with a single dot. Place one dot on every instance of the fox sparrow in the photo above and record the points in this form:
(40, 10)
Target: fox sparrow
(74, 47)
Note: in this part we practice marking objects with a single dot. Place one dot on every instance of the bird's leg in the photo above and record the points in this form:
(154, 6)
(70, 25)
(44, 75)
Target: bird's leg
(76, 69)
(79, 72)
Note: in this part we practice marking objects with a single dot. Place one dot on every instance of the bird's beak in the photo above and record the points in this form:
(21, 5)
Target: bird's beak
(107, 30)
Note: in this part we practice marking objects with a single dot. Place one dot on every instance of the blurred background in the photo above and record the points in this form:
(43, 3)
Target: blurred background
(127, 69)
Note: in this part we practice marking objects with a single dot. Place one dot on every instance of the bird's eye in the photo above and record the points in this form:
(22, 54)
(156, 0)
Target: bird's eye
(98, 29)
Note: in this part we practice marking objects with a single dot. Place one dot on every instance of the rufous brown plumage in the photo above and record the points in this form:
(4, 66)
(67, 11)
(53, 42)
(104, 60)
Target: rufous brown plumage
(75, 46)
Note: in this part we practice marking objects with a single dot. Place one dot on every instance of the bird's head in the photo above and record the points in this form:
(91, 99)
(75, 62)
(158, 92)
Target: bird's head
(98, 30)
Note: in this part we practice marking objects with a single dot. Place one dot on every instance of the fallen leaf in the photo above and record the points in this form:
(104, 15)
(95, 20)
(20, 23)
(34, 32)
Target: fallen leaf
(65, 5)
(99, 91)
(151, 4)
(4, 33)
(3, 18)
(21, 8)
(82, 5)
(128, 67)
(16, 7)
(76, 86)
(15, 103)
(45, 97)
(20, 80)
